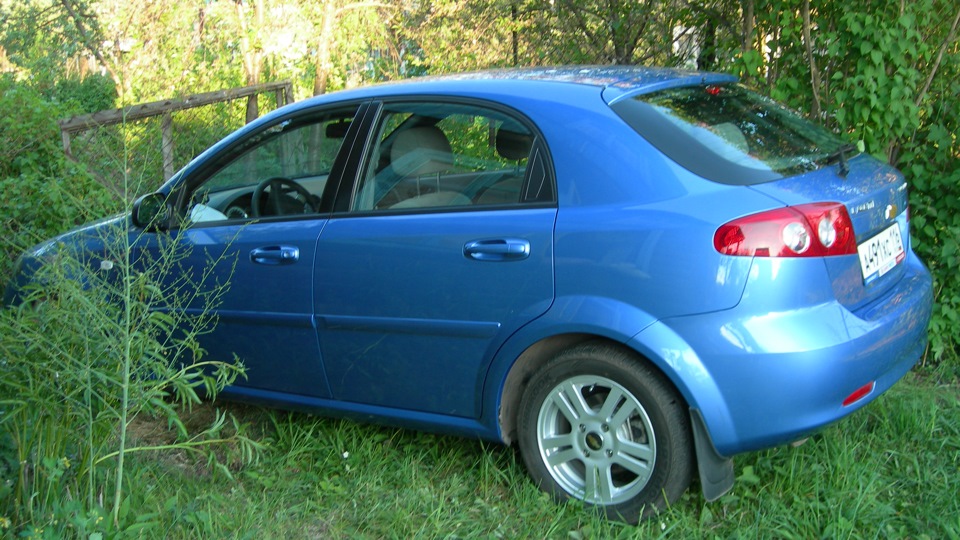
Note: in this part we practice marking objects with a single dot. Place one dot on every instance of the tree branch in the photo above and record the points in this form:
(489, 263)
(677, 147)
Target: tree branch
(936, 65)
(88, 40)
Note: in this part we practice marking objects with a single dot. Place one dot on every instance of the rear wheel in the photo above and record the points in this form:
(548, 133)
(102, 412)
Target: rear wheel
(599, 425)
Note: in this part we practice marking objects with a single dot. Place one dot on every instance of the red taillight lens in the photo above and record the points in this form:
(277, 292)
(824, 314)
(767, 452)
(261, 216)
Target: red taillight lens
(807, 230)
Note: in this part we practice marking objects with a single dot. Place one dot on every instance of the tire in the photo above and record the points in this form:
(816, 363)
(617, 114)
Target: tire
(599, 425)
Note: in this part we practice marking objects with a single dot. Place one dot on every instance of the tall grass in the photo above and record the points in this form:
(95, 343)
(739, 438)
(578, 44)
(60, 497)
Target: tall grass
(888, 471)
(90, 350)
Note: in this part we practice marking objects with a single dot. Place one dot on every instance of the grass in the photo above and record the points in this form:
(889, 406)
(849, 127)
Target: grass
(892, 470)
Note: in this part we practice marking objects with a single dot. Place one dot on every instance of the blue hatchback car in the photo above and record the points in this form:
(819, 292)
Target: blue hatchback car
(633, 274)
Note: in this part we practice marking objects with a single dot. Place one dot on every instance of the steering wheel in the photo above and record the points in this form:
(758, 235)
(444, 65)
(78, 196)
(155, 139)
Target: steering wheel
(278, 185)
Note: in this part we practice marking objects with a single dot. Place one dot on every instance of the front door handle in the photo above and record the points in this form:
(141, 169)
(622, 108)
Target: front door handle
(498, 249)
(275, 255)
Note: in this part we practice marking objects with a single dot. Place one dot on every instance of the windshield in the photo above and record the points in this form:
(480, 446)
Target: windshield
(729, 134)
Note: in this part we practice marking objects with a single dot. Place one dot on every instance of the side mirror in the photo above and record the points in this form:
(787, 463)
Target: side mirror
(150, 212)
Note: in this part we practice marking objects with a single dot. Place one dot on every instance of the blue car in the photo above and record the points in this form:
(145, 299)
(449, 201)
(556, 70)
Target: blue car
(633, 274)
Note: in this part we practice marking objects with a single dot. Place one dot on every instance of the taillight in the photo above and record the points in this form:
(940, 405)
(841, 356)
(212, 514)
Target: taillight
(806, 230)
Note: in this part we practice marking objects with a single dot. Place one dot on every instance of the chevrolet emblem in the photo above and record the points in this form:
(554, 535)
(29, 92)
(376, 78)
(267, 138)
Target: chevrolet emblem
(891, 211)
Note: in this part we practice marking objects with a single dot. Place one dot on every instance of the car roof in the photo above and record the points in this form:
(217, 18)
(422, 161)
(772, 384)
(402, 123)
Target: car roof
(625, 78)
(616, 82)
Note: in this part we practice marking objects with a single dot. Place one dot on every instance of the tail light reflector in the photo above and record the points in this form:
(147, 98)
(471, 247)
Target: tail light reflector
(806, 230)
(859, 393)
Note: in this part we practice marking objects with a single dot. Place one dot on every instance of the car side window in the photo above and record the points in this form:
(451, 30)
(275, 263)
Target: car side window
(429, 155)
(279, 171)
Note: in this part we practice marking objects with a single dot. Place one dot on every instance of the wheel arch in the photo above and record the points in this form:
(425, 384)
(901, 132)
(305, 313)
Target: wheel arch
(532, 359)
(517, 379)
(678, 364)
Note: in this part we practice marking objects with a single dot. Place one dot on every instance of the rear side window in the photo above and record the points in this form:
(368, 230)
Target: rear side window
(429, 155)
(728, 133)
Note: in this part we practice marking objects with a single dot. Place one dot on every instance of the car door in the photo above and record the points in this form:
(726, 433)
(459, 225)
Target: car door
(255, 212)
(442, 250)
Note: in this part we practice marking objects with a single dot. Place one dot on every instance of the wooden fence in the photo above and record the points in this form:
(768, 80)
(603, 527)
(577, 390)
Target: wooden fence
(90, 125)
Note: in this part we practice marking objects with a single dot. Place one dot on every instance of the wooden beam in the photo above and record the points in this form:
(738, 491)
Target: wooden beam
(157, 108)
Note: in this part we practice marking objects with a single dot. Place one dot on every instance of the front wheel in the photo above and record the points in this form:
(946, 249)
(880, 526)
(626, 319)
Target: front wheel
(599, 425)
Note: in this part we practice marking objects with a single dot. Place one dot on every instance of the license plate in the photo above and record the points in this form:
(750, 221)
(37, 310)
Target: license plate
(881, 253)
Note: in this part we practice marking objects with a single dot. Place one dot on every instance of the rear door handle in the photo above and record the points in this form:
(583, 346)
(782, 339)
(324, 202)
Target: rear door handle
(275, 255)
(498, 249)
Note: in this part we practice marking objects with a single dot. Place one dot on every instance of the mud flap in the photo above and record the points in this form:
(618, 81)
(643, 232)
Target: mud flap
(716, 471)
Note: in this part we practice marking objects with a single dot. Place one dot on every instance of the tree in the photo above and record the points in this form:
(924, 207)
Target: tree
(610, 32)
(334, 26)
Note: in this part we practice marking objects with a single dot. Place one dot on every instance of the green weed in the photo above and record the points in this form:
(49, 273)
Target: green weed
(888, 471)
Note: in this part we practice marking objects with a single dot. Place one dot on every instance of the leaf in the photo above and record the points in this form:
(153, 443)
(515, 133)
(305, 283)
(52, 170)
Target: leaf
(748, 476)
(124, 509)
(907, 20)
(855, 26)
(706, 516)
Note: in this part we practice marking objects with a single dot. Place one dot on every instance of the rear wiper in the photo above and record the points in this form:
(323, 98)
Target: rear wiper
(840, 155)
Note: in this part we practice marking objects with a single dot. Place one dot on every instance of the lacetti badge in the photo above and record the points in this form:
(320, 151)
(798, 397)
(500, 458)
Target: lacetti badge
(863, 207)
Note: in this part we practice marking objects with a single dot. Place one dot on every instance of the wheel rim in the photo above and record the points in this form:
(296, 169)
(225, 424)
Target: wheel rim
(596, 440)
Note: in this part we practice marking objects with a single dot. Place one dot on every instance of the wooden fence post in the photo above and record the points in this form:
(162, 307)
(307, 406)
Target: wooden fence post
(166, 145)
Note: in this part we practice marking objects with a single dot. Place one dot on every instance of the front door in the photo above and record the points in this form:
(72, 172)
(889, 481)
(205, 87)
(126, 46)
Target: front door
(254, 219)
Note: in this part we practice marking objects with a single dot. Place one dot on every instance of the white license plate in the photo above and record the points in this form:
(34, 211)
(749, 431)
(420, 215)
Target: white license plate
(881, 253)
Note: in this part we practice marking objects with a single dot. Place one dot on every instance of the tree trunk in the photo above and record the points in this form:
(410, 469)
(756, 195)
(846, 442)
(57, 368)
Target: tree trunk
(323, 61)
(251, 52)
(814, 73)
(748, 24)
(707, 56)
(91, 44)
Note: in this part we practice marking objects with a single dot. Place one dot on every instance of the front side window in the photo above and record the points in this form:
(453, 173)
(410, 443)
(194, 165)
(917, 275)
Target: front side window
(282, 170)
(429, 155)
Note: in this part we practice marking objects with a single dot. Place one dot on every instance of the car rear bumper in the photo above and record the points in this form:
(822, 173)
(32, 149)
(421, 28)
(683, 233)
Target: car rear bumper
(764, 377)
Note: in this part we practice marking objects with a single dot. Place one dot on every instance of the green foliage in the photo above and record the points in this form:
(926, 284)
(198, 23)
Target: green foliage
(95, 345)
(42, 193)
(87, 95)
(39, 39)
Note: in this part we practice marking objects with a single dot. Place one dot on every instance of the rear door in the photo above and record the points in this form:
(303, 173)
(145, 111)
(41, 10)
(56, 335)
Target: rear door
(442, 249)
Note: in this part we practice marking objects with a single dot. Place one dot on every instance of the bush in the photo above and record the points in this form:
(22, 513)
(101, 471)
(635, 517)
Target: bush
(87, 95)
(42, 192)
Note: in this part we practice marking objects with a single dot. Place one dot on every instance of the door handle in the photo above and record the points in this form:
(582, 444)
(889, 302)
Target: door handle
(499, 249)
(275, 255)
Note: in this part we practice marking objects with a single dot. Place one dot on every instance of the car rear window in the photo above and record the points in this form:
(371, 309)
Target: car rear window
(728, 133)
